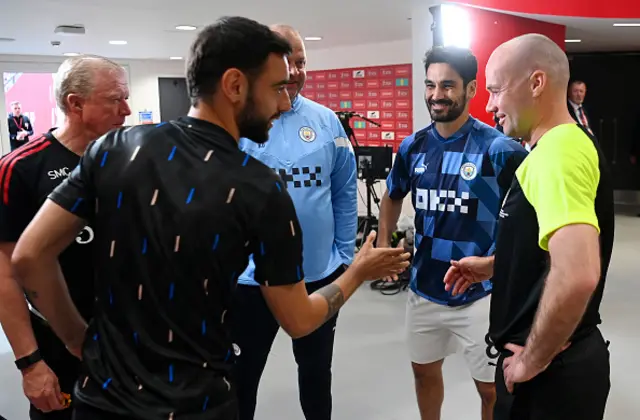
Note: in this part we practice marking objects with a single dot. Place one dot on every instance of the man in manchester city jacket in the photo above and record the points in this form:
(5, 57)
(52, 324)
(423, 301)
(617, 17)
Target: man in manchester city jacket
(309, 149)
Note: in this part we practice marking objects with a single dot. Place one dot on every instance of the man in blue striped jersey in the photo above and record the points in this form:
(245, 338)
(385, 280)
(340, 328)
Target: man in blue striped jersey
(309, 149)
(457, 170)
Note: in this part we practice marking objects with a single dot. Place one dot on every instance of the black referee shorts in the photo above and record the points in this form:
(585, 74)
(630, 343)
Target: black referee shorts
(575, 386)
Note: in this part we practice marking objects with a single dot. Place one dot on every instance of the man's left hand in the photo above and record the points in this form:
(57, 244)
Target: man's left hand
(514, 368)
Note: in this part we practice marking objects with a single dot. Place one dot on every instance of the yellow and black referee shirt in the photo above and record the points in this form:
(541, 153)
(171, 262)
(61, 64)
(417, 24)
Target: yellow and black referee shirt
(564, 180)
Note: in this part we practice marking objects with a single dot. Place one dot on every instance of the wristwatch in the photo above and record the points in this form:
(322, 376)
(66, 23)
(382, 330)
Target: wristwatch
(28, 361)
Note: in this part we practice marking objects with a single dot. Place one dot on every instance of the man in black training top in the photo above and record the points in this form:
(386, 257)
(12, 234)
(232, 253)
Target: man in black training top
(177, 210)
(92, 93)
(553, 249)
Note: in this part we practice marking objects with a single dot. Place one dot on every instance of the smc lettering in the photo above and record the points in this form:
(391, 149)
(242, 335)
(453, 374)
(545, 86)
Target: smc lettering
(442, 200)
(58, 173)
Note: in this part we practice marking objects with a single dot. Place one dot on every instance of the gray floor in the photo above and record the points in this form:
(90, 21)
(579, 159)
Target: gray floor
(372, 379)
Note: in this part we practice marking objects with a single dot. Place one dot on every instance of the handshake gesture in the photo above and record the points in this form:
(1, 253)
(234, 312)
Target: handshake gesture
(374, 263)
(469, 270)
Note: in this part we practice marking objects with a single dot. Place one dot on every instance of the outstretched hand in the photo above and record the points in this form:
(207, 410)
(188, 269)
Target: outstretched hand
(464, 273)
(375, 263)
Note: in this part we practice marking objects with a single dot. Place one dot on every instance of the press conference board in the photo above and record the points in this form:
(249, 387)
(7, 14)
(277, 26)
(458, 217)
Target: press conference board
(382, 94)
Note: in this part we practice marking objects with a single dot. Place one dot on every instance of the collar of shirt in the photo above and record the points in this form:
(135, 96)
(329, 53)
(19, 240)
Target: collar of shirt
(575, 106)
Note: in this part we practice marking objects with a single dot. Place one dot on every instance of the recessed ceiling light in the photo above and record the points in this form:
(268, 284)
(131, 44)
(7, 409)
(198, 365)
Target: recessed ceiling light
(186, 28)
(118, 42)
(2, 39)
(313, 38)
(71, 54)
(175, 58)
(572, 40)
(626, 24)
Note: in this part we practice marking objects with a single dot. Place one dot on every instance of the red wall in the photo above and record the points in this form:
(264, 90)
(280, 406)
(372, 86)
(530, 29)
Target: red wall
(582, 8)
(489, 30)
(35, 93)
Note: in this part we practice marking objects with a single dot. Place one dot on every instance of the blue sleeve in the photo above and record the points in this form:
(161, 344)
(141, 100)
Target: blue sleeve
(506, 155)
(399, 180)
(344, 193)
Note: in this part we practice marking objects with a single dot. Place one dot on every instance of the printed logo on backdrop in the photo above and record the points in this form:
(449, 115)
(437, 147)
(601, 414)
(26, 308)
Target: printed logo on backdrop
(307, 134)
(358, 74)
(373, 115)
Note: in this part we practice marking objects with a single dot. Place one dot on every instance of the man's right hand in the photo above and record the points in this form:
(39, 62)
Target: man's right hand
(41, 387)
(375, 263)
(469, 270)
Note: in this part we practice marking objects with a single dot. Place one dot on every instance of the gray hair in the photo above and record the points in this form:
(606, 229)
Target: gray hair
(77, 75)
(15, 103)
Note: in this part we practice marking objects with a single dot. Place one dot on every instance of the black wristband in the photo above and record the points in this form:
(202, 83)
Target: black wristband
(28, 361)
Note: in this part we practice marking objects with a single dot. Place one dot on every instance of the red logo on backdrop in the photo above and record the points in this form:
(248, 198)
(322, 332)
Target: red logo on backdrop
(310, 95)
(365, 89)
(387, 71)
(403, 71)
(388, 125)
(387, 83)
(373, 84)
(388, 114)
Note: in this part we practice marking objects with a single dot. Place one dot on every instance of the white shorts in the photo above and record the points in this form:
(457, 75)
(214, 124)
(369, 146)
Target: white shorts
(436, 331)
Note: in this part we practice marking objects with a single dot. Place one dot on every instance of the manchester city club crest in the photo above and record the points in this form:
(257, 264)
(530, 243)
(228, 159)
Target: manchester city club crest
(307, 134)
(468, 171)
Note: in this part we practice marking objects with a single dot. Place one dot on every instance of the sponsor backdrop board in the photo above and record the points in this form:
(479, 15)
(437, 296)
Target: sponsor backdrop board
(382, 94)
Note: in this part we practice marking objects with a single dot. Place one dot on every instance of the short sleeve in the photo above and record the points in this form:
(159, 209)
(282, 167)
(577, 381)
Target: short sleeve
(561, 184)
(277, 241)
(399, 180)
(16, 210)
(76, 194)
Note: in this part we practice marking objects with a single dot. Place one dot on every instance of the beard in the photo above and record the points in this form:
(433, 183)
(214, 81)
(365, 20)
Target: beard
(456, 108)
(251, 125)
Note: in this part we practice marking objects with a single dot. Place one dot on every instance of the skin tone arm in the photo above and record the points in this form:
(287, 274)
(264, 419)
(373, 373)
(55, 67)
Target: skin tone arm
(53, 229)
(35, 264)
(300, 314)
(389, 213)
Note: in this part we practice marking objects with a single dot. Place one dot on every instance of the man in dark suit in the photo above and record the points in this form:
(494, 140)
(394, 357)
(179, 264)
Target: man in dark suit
(20, 127)
(576, 93)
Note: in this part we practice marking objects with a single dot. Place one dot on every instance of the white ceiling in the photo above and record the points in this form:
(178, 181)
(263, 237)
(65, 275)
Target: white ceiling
(149, 25)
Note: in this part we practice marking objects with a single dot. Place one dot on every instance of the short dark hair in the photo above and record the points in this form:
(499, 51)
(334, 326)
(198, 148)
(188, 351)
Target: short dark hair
(576, 82)
(461, 60)
(230, 42)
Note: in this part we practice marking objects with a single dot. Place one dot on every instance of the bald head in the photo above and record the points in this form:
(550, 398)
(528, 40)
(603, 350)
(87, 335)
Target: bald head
(526, 54)
(297, 59)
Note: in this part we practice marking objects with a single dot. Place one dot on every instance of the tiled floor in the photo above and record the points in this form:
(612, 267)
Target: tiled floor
(372, 379)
